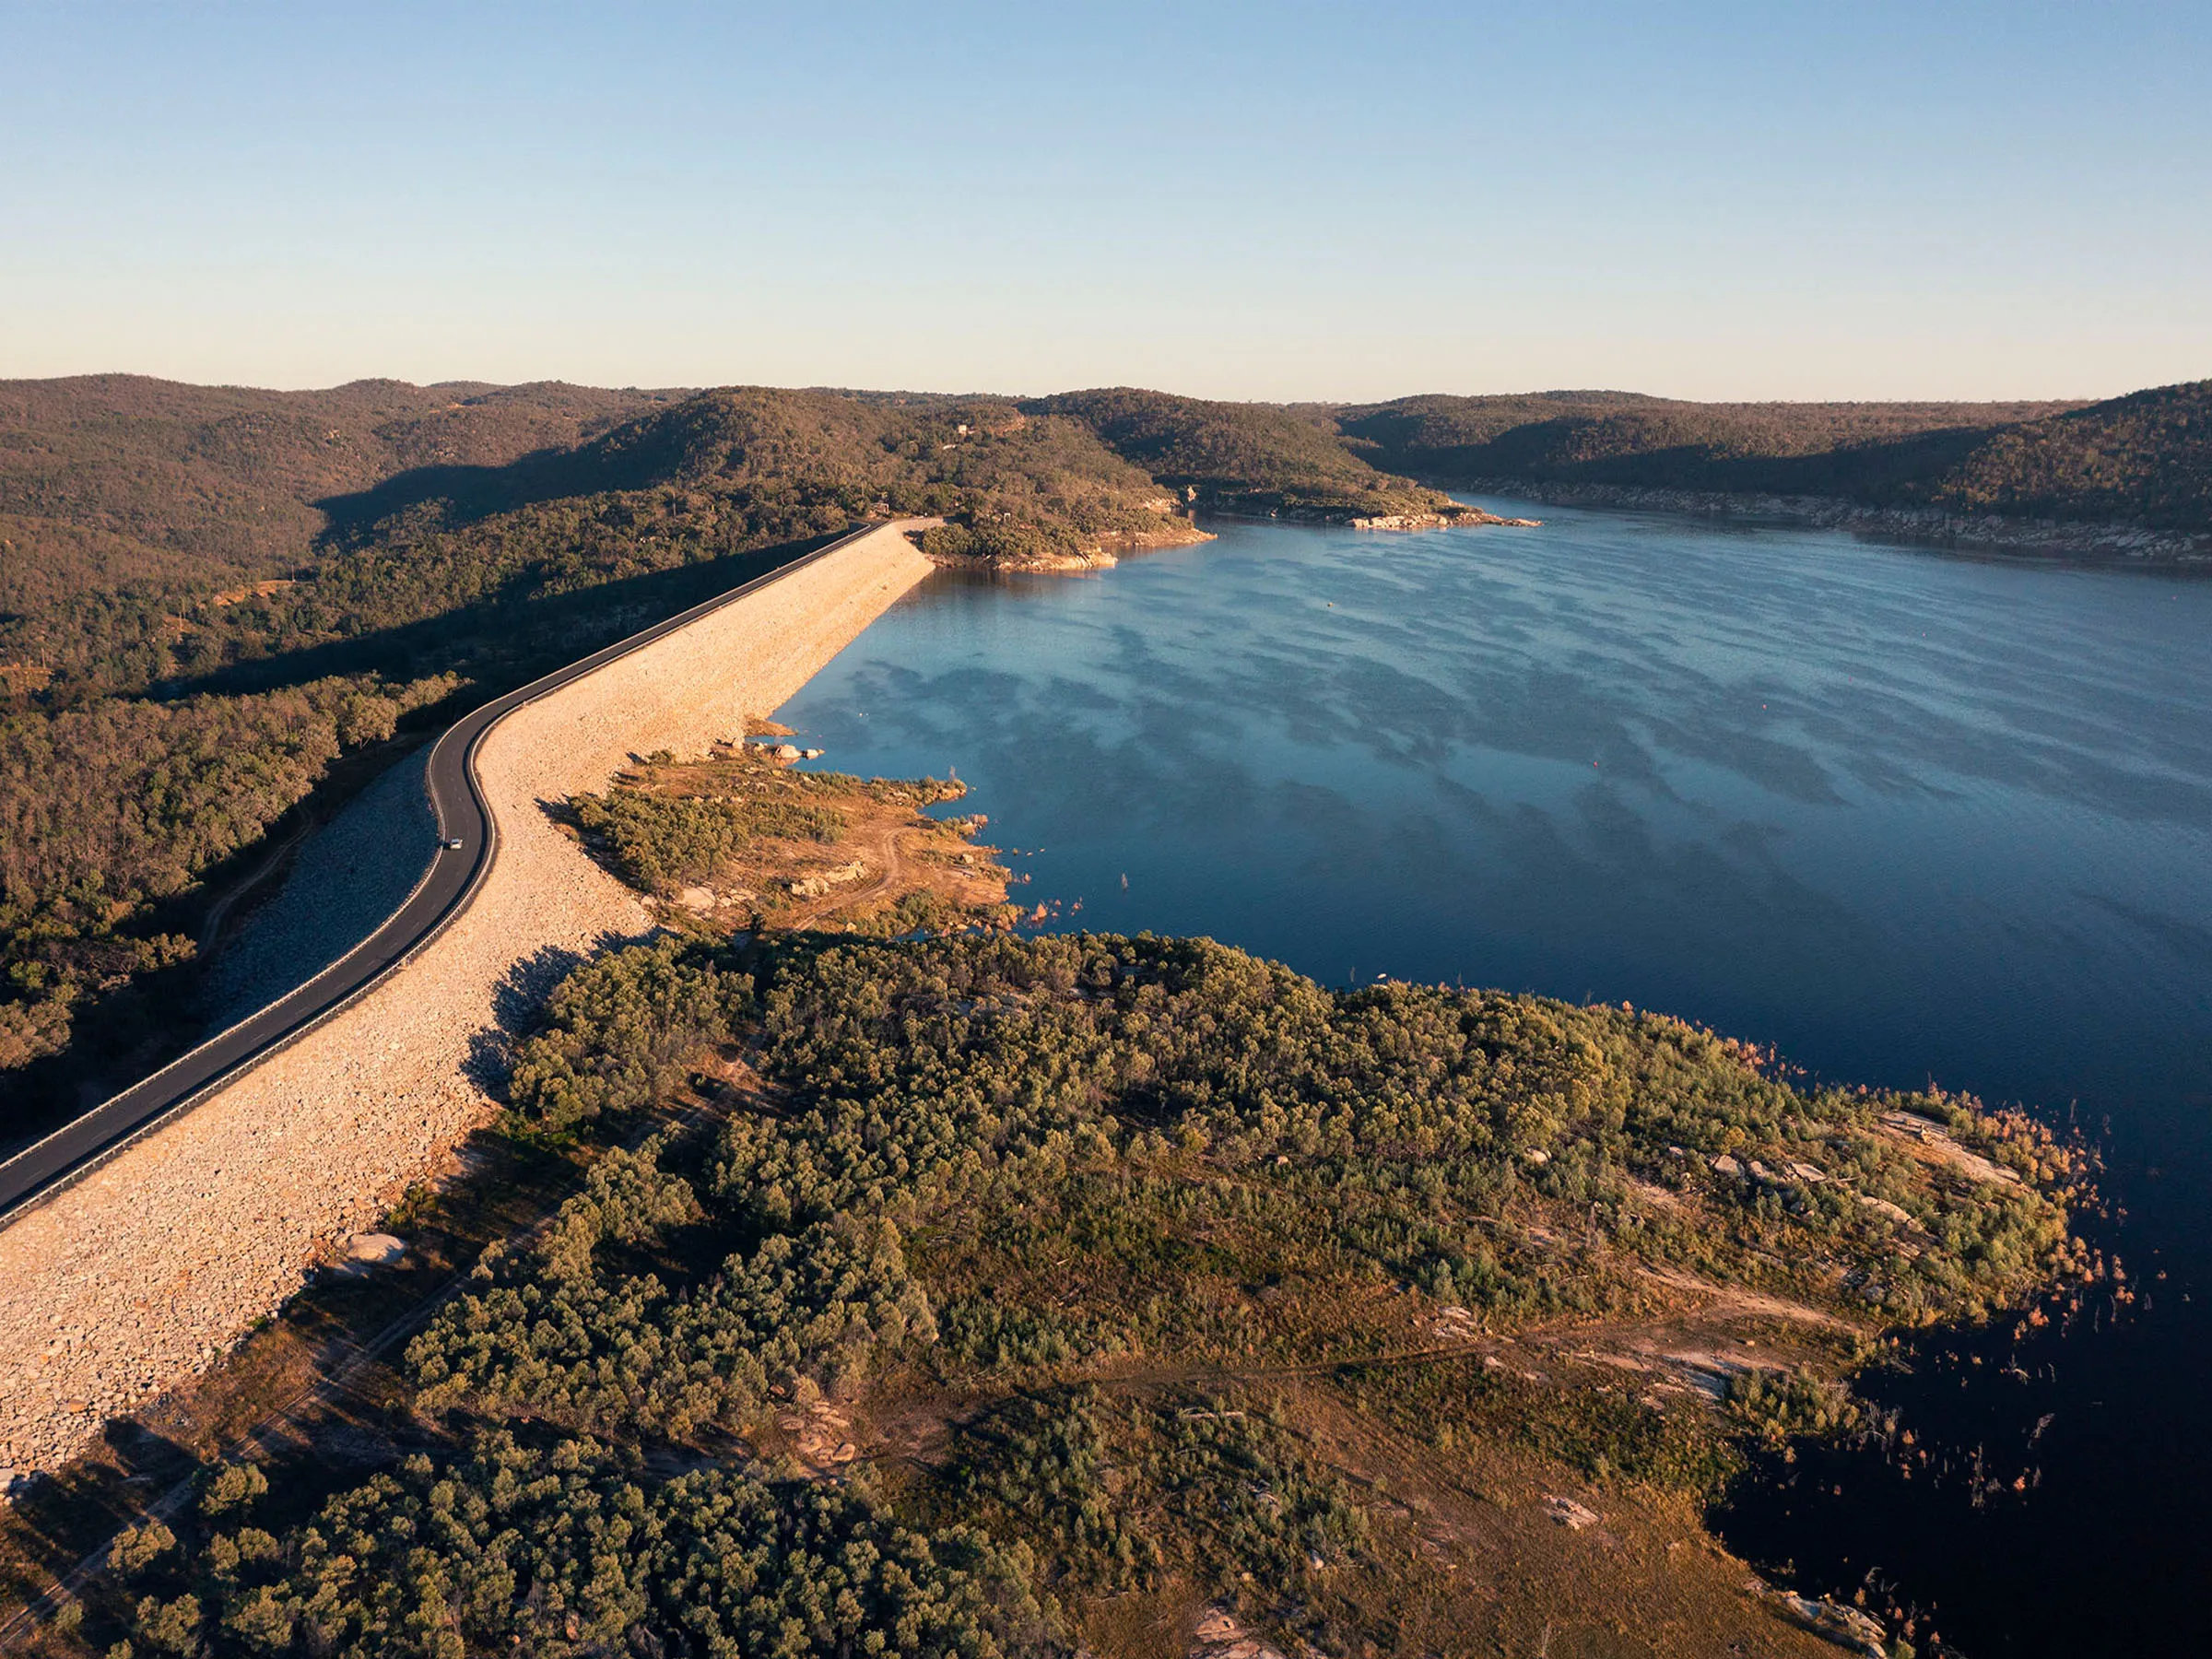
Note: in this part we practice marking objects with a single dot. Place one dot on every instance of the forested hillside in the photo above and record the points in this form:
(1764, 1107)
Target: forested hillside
(1243, 458)
(208, 597)
(1615, 437)
(2144, 459)
(156, 532)
(1001, 1297)
(111, 480)
(212, 595)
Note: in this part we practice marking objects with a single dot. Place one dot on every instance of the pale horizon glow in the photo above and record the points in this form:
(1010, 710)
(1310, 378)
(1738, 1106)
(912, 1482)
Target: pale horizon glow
(1708, 200)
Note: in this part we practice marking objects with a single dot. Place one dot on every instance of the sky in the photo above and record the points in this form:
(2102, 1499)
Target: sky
(1702, 199)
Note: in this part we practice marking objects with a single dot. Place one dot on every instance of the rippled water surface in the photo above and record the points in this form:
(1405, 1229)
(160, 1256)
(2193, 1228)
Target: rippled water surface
(1907, 816)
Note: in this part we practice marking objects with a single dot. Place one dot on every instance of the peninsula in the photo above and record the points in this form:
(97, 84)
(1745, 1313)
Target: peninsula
(1037, 1296)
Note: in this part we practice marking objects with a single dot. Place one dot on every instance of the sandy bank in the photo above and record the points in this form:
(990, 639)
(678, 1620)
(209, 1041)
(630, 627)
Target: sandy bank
(135, 1278)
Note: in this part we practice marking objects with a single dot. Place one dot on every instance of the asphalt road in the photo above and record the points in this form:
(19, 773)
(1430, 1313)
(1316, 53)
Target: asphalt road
(454, 877)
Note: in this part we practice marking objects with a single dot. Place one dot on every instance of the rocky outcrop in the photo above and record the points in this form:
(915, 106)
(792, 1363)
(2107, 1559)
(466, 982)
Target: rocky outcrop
(1450, 516)
(132, 1279)
(1176, 533)
(1439, 521)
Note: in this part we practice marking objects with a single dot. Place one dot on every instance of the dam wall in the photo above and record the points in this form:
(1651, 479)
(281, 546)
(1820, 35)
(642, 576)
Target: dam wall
(138, 1276)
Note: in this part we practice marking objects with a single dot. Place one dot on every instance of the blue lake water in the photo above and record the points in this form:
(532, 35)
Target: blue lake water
(1905, 815)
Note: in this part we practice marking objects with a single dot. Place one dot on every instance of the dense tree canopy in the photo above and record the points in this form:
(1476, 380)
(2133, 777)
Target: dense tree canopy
(169, 553)
(563, 1548)
(2144, 459)
(207, 597)
(1241, 457)
(1074, 1200)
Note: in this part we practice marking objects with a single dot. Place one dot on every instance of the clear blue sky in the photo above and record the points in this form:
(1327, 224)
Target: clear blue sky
(1858, 199)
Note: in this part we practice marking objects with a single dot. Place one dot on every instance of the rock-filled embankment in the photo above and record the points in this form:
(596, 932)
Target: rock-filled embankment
(349, 875)
(132, 1279)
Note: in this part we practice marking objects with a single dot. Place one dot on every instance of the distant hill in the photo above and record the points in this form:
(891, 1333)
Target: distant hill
(1241, 457)
(2144, 459)
(210, 597)
(1621, 438)
(107, 479)
(136, 515)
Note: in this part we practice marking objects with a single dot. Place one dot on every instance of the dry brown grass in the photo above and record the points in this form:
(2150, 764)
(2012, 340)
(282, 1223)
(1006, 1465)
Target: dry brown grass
(864, 857)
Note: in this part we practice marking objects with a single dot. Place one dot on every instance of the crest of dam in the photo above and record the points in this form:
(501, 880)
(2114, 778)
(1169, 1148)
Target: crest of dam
(137, 1274)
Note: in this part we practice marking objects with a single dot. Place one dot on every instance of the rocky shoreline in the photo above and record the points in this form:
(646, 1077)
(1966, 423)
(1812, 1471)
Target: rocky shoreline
(1438, 520)
(1987, 533)
(1099, 558)
(1102, 556)
(1459, 517)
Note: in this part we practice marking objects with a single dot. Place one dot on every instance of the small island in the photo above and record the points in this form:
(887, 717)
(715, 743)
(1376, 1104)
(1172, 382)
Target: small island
(1443, 518)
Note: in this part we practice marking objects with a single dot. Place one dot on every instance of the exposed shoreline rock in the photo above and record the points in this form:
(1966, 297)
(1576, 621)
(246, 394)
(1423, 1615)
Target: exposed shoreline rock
(1440, 521)
(1099, 558)
(1983, 533)
(1183, 534)
(1461, 517)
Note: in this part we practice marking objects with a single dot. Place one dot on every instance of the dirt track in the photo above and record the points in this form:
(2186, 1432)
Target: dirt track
(881, 851)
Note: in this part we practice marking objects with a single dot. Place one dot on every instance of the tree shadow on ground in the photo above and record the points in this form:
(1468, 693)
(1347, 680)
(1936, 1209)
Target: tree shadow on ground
(508, 639)
(61, 1518)
(452, 497)
(518, 1004)
(518, 1007)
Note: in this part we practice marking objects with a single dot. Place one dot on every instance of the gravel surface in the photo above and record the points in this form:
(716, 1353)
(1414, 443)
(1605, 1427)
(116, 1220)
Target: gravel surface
(135, 1278)
(349, 875)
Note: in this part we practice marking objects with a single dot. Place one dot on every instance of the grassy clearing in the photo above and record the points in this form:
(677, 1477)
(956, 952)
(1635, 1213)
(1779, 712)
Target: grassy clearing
(741, 839)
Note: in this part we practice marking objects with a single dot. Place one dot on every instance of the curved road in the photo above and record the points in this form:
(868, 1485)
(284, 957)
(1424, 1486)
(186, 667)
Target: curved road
(444, 892)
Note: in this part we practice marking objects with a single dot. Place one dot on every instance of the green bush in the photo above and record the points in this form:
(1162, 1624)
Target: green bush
(561, 1548)
(1064, 1187)
(620, 1032)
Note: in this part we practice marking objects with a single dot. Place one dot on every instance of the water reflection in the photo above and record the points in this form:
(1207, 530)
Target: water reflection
(1908, 816)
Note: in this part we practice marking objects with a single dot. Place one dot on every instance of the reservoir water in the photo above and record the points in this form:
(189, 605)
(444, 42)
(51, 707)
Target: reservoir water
(1906, 815)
